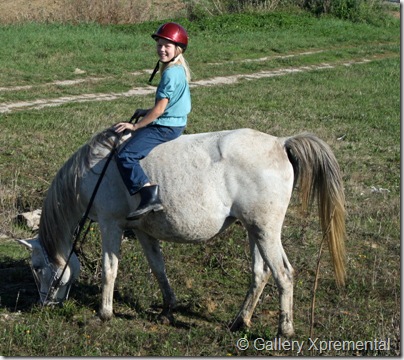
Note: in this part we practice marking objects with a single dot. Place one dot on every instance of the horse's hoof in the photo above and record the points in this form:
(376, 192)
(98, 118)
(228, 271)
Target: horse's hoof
(238, 324)
(105, 315)
(166, 319)
(285, 326)
(286, 333)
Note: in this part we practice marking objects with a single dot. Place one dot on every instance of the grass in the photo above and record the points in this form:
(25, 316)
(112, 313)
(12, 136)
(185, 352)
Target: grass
(55, 51)
(101, 11)
(356, 109)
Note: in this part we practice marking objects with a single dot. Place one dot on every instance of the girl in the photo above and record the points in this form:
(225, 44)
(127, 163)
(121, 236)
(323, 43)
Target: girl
(165, 121)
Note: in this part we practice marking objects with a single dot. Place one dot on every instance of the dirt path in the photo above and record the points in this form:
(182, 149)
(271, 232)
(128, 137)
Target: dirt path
(146, 90)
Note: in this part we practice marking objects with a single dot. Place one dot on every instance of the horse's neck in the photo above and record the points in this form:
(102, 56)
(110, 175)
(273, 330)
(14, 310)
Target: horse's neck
(61, 212)
(56, 235)
(64, 206)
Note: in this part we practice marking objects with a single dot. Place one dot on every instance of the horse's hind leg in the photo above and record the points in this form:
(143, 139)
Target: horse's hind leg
(260, 277)
(268, 241)
(267, 253)
(151, 248)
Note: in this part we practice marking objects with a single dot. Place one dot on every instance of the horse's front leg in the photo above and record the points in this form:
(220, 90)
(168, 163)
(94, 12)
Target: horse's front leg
(151, 248)
(111, 243)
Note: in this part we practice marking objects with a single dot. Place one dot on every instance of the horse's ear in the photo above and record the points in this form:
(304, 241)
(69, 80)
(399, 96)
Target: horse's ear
(28, 243)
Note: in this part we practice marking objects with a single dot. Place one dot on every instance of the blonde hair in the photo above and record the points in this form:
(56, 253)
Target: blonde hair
(179, 59)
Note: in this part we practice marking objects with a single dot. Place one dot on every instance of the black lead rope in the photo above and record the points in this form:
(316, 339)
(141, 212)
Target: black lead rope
(82, 222)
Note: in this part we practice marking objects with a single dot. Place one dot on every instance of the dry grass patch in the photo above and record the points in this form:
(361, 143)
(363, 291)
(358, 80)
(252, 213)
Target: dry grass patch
(101, 11)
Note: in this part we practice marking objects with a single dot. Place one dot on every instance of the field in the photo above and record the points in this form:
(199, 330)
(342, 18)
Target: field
(101, 11)
(282, 73)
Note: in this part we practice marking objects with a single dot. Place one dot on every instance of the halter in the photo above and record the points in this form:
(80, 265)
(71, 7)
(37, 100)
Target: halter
(56, 279)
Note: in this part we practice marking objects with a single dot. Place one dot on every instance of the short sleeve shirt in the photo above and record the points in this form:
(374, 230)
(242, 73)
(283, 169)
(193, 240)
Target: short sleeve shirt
(174, 87)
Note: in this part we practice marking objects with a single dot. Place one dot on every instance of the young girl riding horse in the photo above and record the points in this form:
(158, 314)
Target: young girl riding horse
(165, 121)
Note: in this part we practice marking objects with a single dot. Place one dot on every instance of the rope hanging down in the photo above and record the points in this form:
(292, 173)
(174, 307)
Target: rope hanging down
(80, 225)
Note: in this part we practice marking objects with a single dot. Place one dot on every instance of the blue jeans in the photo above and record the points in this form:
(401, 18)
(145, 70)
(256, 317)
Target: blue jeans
(136, 148)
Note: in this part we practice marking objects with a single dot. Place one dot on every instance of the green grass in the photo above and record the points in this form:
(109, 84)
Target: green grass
(37, 53)
(356, 109)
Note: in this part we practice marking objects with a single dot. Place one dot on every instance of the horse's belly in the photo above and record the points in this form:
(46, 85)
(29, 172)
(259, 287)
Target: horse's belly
(186, 226)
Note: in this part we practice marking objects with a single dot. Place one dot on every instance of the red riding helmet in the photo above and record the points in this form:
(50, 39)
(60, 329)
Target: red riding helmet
(174, 33)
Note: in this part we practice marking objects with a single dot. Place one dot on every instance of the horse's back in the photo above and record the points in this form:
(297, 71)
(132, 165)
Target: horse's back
(203, 149)
(210, 177)
(208, 157)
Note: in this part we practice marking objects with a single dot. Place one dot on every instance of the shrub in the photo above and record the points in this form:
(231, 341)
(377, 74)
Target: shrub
(353, 10)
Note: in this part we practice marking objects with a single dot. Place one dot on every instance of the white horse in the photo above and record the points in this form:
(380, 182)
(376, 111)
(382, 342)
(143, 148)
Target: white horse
(207, 181)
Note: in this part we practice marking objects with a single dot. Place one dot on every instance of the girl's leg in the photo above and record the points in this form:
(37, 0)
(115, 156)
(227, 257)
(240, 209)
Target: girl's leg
(128, 157)
(141, 143)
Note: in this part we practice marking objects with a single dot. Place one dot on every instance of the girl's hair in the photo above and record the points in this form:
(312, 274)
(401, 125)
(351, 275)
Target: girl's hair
(179, 59)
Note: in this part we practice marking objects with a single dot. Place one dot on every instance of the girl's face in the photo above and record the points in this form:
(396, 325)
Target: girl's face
(166, 50)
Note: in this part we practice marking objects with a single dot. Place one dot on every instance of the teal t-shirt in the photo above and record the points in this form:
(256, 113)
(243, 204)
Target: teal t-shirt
(174, 87)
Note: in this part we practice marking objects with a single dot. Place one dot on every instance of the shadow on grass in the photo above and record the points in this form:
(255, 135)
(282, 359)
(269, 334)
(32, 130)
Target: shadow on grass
(18, 293)
(17, 287)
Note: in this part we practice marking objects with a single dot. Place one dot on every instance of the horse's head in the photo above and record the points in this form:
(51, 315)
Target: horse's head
(52, 289)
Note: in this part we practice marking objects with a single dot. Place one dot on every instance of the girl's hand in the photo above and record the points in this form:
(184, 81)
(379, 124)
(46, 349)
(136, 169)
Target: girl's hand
(122, 126)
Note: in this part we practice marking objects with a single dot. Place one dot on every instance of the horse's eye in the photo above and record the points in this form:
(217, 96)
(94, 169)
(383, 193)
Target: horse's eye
(38, 270)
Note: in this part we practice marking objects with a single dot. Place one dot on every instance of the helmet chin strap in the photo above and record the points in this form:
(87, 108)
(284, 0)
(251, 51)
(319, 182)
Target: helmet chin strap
(157, 67)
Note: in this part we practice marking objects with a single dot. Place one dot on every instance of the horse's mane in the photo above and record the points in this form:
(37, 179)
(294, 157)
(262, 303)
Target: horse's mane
(62, 202)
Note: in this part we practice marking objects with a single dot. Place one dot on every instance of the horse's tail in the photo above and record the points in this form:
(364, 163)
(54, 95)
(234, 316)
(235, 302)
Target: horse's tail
(317, 174)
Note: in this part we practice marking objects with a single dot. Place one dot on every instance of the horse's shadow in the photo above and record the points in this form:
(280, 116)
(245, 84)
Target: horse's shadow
(18, 291)
(185, 309)
(155, 313)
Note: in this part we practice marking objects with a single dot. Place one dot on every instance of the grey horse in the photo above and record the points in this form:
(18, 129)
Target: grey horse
(208, 181)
